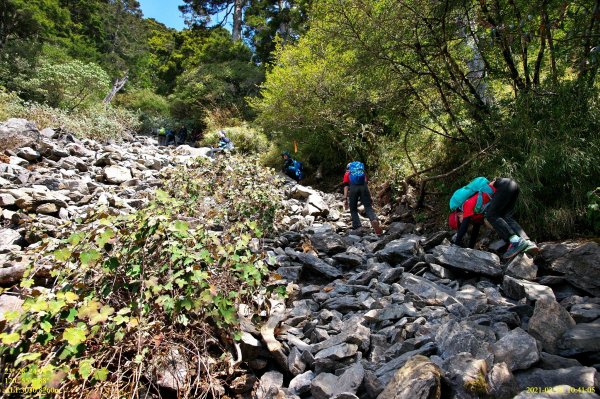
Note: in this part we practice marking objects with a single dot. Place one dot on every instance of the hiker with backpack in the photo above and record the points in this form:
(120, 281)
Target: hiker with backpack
(496, 202)
(355, 189)
(162, 136)
(225, 144)
(292, 167)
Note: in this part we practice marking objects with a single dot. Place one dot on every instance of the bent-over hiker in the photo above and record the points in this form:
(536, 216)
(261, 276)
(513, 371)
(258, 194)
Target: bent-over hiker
(225, 144)
(496, 201)
(292, 167)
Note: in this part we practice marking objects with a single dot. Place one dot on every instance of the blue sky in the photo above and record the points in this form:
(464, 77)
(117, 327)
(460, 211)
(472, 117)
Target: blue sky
(164, 11)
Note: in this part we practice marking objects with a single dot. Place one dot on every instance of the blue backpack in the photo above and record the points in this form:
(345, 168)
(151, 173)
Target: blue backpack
(479, 185)
(299, 169)
(357, 173)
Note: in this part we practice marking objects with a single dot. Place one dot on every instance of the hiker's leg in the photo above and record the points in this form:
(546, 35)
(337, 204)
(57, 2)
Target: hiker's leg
(353, 194)
(474, 234)
(502, 203)
(365, 199)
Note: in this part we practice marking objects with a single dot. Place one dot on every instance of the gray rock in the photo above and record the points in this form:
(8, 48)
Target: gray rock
(553, 362)
(518, 289)
(440, 271)
(419, 378)
(337, 352)
(466, 259)
(7, 200)
(346, 259)
(172, 370)
(301, 192)
(8, 239)
(453, 338)
(328, 242)
(326, 386)
(585, 312)
(517, 349)
(317, 265)
(387, 370)
(391, 275)
(301, 383)
(116, 174)
(295, 364)
(316, 206)
(434, 294)
(393, 312)
(10, 303)
(578, 262)
(399, 250)
(501, 382)
(270, 383)
(352, 332)
(28, 153)
(465, 372)
(344, 303)
(583, 338)
(549, 322)
(522, 267)
(16, 133)
(47, 209)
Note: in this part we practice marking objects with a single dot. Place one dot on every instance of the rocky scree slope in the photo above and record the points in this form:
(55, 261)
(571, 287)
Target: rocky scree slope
(405, 315)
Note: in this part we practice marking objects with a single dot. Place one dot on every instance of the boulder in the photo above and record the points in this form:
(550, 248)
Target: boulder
(399, 250)
(578, 261)
(574, 376)
(314, 263)
(583, 338)
(326, 386)
(17, 133)
(549, 322)
(8, 239)
(522, 267)
(328, 242)
(419, 378)
(116, 174)
(518, 289)
(469, 260)
(517, 349)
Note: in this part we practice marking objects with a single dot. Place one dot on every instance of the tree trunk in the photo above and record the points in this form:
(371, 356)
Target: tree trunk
(238, 8)
(118, 85)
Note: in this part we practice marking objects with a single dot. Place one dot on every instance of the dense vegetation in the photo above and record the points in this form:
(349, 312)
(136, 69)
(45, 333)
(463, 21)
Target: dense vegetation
(132, 291)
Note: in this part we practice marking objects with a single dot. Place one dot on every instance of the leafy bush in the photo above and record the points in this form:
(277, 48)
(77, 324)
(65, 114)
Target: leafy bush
(593, 210)
(10, 104)
(153, 109)
(246, 140)
(70, 85)
(130, 289)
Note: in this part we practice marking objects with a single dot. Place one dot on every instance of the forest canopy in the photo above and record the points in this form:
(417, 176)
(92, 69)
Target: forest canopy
(426, 93)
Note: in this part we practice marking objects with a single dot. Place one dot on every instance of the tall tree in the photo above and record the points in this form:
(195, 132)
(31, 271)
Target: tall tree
(202, 12)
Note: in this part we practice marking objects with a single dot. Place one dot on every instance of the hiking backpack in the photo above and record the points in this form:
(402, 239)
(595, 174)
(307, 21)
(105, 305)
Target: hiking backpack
(479, 185)
(299, 169)
(357, 173)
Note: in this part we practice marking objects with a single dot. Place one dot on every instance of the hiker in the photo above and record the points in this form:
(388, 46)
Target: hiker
(356, 188)
(496, 202)
(225, 144)
(170, 137)
(291, 167)
(162, 136)
(181, 136)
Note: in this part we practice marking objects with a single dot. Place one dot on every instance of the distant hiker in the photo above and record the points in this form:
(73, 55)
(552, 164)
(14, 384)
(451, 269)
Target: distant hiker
(181, 136)
(356, 188)
(225, 144)
(162, 136)
(170, 137)
(496, 202)
(292, 167)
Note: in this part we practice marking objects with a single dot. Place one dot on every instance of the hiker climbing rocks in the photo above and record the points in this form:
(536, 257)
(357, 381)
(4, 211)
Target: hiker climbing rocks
(170, 137)
(225, 144)
(496, 202)
(356, 188)
(292, 167)
(182, 134)
(162, 136)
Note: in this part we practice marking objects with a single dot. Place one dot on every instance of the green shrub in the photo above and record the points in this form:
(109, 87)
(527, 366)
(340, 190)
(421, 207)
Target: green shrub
(131, 288)
(70, 85)
(10, 104)
(152, 108)
(246, 139)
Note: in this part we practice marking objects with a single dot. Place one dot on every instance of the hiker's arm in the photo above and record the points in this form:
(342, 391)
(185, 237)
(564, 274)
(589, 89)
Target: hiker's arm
(462, 230)
(346, 196)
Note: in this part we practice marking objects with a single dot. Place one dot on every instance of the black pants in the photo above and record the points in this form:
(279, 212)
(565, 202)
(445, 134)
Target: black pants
(501, 208)
(354, 194)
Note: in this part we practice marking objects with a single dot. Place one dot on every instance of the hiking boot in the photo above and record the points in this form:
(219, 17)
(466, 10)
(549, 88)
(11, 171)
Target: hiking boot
(515, 248)
(376, 227)
(532, 248)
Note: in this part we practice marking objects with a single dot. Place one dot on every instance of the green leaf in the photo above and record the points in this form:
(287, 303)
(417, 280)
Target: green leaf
(8, 339)
(105, 237)
(101, 374)
(181, 226)
(75, 335)
(62, 255)
(75, 238)
(46, 326)
(27, 283)
(85, 367)
(89, 257)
